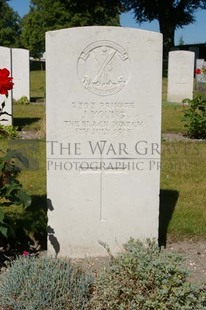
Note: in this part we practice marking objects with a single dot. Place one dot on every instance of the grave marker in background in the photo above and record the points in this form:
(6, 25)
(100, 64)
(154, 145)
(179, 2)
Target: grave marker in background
(180, 76)
(21, 73)
(103, 109)
(200, 78)
(5, 62)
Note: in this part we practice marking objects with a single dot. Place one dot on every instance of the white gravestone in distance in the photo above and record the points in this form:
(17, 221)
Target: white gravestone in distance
(21, 73)
(103, 138)
(180, 76)
(200, 79)
(5, 62)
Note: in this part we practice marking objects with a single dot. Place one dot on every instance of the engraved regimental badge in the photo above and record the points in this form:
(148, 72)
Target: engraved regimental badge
(103, 68)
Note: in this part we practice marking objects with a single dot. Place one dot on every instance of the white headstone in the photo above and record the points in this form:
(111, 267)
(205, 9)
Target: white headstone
(180, 76)
(21, 73)
(5, 62)
(103, 137)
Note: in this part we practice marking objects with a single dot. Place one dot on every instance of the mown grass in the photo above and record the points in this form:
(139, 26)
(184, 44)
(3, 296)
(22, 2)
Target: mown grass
(172, 118)
(183, 173)
(37, 81)
(29, 117)
(164, 89)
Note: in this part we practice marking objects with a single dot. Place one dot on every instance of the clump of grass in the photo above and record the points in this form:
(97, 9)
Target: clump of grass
(44, 283)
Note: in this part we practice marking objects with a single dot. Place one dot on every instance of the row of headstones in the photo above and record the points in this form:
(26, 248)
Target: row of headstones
(103, 87)
(16, 60)
(180, 75)
(181, 66)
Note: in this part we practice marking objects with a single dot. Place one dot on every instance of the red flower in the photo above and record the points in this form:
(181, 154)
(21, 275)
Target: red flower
(5, 81)
(25, 253)
(197, 71)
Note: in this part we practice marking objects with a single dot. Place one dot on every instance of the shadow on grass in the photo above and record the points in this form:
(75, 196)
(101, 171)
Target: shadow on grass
(51, 232)
(32, 222)
(168, 201)
(37, 99)
(23, 121)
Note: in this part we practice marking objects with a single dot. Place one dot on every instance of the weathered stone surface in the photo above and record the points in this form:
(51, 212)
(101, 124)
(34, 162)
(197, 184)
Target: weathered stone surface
(103, 137)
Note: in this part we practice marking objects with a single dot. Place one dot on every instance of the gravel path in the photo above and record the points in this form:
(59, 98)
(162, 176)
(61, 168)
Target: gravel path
(194, 254)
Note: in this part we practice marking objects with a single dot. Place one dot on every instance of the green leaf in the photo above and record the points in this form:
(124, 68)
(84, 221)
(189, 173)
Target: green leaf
(9, 188)
(3, 230)
(186, 100)
(9, 155)
(24, 198)
(2, 163)
(16, 154)
(3, 227)
(1, 216)
(23, 159)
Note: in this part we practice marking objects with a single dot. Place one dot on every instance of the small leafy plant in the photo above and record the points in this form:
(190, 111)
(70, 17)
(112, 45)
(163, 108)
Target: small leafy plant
(195, 117)
(144, 278)
(8, 132)
(44, 282)
(23, 101)
(10, 187)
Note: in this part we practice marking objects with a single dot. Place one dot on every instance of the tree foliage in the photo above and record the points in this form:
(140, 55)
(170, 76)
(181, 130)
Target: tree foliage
(10, 26)
(46, 15)
(170, 14)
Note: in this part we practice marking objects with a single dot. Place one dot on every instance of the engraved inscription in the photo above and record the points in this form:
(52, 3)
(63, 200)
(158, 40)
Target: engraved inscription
(103, 68)
(114, 118)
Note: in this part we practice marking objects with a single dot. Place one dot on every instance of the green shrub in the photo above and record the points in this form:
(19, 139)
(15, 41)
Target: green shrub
(44, 282)
(144, 278)
(8, 132)
(23, 101)
(195, 117)
(141, 277)
(10, 187)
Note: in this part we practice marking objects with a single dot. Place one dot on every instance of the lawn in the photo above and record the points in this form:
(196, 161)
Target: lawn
(183, 173)
(37, 81)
